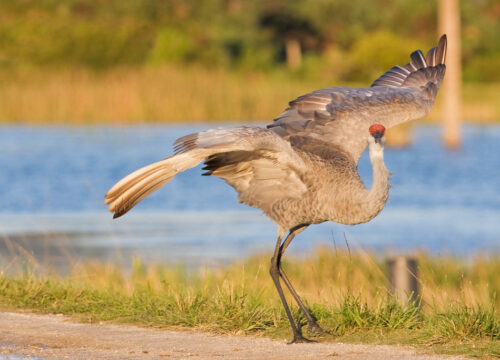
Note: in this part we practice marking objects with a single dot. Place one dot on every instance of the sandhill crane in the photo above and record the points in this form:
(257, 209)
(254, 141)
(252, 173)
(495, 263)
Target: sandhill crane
(302, 169)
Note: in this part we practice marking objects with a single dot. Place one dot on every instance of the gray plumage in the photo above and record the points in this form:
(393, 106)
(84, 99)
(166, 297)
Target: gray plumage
(302, 169)
(342, 115)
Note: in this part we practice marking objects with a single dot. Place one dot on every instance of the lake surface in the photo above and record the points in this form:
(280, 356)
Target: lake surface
(53, 181)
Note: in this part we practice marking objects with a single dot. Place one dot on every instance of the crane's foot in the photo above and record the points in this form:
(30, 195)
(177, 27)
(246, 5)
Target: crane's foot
(316, 329)
(298, 338)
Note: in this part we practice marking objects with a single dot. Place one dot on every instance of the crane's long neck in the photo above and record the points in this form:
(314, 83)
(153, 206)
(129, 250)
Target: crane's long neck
(357, 204)
(378, 194)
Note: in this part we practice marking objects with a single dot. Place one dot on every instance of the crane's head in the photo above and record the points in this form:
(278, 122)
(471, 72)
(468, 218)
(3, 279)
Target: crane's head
(377, 131)
(376, 141)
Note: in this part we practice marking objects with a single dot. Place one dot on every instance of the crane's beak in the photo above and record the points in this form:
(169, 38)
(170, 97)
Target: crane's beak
(377, 135)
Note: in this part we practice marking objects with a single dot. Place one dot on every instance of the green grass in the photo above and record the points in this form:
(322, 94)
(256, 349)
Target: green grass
(346, 292)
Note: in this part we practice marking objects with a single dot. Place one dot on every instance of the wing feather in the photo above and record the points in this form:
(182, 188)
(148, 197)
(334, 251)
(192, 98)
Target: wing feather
(342, 115)
(257, 162)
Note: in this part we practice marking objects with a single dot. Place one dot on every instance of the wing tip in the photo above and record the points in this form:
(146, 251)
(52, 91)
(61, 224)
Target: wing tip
(441, 49)
(397, 75)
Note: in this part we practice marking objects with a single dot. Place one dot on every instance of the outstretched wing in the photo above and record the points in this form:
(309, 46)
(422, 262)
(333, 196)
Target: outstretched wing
(342, 115)
(258, 163)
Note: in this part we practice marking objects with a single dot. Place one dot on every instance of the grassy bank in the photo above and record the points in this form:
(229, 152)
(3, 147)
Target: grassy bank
(345, 291)
(173, 94)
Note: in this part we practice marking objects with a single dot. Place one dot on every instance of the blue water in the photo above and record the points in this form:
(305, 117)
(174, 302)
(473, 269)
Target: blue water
(53, 181)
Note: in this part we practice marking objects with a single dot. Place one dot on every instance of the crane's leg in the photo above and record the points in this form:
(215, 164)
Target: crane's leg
(275, 275)
(311, 322)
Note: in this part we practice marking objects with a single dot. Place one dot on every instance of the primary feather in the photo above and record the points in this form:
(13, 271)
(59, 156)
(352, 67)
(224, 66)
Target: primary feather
(341, 115)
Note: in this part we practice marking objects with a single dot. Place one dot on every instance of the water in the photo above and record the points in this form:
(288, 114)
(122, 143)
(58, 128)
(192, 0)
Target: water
(17, 357)
(53, 181)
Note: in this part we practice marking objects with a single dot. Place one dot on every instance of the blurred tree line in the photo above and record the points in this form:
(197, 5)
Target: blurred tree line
(338, 39)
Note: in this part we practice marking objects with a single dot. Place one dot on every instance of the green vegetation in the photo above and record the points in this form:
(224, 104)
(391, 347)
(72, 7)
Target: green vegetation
(345, 291)
(344, 40)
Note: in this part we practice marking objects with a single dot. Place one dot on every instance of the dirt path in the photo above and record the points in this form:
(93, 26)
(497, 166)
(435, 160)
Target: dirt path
(57, 337)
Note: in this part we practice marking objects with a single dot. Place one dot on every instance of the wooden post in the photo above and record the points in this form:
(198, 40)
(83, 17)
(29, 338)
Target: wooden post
(403, 278)
(293, 53)
(449, 24)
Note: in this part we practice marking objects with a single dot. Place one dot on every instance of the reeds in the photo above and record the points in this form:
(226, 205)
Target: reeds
(175, 94)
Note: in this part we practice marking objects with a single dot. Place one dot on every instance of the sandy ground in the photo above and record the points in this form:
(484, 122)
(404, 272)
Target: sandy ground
(28, 336)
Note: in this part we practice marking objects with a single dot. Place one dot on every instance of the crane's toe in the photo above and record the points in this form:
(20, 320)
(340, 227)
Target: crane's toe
(297, 339)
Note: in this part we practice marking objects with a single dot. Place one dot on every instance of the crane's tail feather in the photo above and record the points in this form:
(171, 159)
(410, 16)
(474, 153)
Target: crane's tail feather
(129, 191)
(420, 71)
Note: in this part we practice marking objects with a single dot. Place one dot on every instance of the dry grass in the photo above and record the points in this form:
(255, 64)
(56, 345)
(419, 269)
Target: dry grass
(173, 94)
(325, 276)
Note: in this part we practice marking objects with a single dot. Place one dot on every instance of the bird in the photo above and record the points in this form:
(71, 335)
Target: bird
(302, 168)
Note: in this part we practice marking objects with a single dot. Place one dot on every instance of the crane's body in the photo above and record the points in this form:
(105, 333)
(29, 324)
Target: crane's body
(324, 186)
(302, 168)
